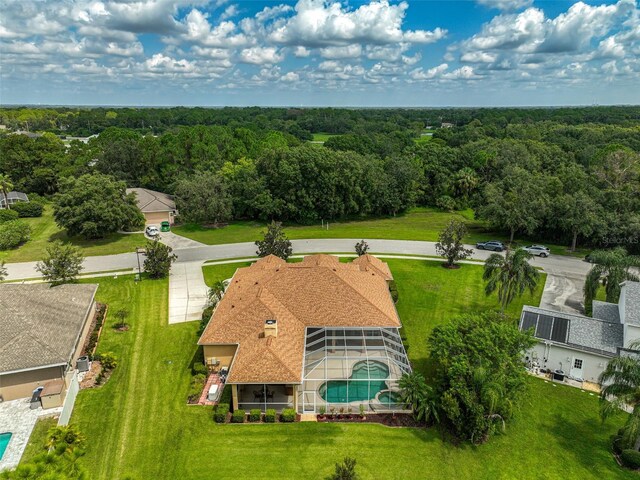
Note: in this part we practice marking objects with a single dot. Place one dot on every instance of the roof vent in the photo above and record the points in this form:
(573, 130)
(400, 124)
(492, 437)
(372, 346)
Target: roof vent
(270, 328)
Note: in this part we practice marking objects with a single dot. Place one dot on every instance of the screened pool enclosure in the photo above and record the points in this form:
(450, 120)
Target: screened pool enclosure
(348, 367)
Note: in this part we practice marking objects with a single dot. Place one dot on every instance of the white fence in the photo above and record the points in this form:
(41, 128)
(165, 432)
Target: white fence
(69, 400)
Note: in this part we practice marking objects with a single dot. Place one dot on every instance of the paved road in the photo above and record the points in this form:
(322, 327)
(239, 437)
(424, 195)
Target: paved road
(562, 292)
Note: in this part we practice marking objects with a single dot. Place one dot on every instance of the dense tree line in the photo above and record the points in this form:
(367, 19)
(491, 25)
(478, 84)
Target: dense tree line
(565, 175)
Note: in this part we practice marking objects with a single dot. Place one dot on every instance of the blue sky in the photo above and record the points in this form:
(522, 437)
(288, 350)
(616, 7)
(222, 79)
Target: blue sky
(316, 52)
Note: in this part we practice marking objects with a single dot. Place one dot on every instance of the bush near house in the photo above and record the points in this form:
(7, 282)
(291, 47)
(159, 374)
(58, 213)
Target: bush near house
(13, 233)
(220, 412)
(631, 459)
(393, 288)
(270, 416)
(197, 384)
(255, 415)
(288, 415)
(238, 416)
(28, 209)
(8, 215)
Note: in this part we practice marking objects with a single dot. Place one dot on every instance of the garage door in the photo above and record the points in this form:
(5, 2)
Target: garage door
(154, 218)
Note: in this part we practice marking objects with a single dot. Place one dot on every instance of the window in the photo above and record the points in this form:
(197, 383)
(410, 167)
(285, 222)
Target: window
(577, 364)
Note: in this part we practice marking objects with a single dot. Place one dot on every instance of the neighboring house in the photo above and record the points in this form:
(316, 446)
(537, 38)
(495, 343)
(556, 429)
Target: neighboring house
(446, 125)
(12, 197)
(157, 207)
(580, 346)
(42, 332)
(310, 335)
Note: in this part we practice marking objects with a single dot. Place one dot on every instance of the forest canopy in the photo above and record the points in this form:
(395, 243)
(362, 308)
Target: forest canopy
(568, 175)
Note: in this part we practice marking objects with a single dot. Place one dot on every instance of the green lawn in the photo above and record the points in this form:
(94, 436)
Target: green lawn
(45, 230)
(323, 137)
(417, 224)
(38, 438)
(139, 425)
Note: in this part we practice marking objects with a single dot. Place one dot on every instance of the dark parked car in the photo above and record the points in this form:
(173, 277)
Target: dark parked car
(492, 245)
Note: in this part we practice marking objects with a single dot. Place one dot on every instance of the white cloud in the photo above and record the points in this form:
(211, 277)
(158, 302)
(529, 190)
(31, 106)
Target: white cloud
(348, 51)
(301, 52)
(506, 5)
(317, 23)
(420, 74)
(290, 77)
(229, 12)
(261, 55)
(224, 35)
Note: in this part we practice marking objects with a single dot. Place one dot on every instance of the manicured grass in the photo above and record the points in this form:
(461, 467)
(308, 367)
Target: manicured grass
(138, 423)
(417, 224)
(45, 230)
(38, 438)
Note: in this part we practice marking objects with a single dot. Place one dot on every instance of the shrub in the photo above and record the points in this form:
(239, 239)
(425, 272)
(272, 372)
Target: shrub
(631, 459)
(445, 202)
(270, 416)
(238, 416)
(13, 233)
(206, 316)
(93, 340)
(220, 412)
(197, 384)
(200, 369)
(27, 209)
(108, 361)
(8, 215)
(288, 415)
(255, 414)
(393, 289)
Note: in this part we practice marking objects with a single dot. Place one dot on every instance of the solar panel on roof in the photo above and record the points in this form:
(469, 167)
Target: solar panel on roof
(543, 329)
(560, 330)
(529, 320)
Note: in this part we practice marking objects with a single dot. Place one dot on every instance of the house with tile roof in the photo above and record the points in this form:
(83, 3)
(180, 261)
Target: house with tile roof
(43, 330)
(578, 346)
(310, 335)
(157, 207)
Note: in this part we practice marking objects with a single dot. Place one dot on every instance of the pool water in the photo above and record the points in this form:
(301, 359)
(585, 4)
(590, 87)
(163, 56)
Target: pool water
(4, 441)
(338, 391)
(387, 398)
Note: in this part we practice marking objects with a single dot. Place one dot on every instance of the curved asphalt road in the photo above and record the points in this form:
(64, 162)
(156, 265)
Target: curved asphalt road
(563, 290)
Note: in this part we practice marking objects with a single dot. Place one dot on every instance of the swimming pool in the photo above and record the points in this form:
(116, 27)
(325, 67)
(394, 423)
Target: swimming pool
(343, 391)
(389, 398)
(4, 442)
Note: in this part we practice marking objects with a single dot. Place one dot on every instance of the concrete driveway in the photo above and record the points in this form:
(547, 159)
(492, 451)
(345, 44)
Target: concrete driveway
(187, 292)
(178, 242)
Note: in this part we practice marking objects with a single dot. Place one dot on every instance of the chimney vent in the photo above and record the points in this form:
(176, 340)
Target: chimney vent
(270, 328)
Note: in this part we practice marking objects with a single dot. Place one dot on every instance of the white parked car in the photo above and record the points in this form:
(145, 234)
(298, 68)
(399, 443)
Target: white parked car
(537, 250)
(152, 231)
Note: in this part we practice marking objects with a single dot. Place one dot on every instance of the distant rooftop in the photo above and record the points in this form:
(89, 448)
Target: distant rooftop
(151, 201)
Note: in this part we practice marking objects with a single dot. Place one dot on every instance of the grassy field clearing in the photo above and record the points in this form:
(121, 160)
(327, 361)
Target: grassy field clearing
(417, 224)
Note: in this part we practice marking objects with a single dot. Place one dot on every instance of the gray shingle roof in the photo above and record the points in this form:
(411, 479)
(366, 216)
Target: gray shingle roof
(632, 303)
(585, 333)
(152, 201)
(609, 312)
(40, 325)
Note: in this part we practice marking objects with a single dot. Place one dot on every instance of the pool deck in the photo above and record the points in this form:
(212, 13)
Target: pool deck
(18, 419)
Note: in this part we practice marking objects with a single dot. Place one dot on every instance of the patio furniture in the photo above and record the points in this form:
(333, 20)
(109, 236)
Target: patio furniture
(270, 395)
(258, 395)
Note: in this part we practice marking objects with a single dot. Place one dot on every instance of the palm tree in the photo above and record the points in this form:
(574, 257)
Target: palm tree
(466, 181)
(510, 275)
(610, 269)
(6, 186)
(622, 389)
(418, 396)
(215, 293)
